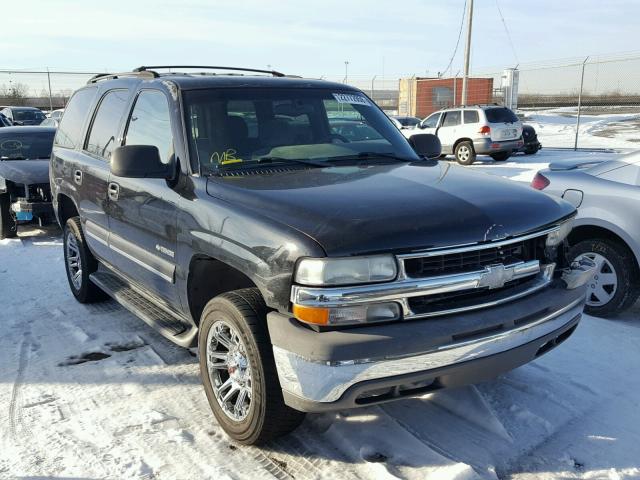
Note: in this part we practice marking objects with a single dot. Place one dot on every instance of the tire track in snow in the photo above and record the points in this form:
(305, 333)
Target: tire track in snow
(15, 409)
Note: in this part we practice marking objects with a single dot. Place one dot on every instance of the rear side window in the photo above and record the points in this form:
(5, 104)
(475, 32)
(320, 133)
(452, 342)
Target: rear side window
(150, 123)
(471, 116)
(70, 128)
(451, 118)
(102, 138)
(500, 115)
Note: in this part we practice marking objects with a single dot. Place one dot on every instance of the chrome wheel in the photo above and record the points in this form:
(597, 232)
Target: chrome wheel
(464, 153)
(74, 261)
(604, 285)
(229, 370)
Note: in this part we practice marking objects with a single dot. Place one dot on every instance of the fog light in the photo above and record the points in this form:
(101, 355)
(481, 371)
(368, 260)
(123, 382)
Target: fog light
(365, 313)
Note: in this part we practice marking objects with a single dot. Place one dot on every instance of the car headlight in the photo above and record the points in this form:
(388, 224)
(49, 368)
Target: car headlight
(318, 272)
(556, 237)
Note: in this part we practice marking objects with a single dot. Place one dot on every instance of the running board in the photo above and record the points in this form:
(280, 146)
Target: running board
(169, 324)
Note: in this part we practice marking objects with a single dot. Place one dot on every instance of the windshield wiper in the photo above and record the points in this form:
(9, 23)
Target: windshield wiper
(370, 155)
(13, 158)
(313, 163)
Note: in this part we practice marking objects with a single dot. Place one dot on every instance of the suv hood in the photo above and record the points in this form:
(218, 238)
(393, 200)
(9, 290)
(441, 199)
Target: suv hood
(25, 171)
(399, 207)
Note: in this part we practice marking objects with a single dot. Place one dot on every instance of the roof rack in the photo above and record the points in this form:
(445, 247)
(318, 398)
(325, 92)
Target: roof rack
(208, 67)
(474, 105)
(111, 76)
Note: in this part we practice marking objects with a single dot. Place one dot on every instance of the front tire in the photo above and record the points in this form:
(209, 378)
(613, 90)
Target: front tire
(80, 263)
(465, 155)
(8, 223)
(615, 286)
(500, 156)
(238, 370)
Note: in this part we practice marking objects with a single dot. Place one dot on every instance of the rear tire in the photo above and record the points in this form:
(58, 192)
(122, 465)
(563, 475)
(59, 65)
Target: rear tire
(8, 223)
(80, 263)
(245, 364)
(500, 156)
(530, 151)
(615, 286)
(465, 155)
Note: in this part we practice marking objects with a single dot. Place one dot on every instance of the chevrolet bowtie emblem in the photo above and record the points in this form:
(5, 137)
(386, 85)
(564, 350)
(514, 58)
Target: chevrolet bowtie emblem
(495, 276)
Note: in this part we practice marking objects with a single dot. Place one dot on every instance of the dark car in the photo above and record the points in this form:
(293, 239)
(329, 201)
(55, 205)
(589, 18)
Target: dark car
(531, 144)
(4, 121)
(406, 121)
(311, 271)
(24, 115)
(25, 194)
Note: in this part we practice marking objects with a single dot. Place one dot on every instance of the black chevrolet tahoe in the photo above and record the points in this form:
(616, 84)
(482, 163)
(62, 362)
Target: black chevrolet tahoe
(312, 271)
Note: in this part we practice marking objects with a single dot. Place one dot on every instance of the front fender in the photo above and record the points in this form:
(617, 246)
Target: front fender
(260, 248)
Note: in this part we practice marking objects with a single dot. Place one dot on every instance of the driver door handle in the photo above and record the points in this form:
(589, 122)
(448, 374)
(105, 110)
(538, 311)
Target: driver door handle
(113, 191)
(77, 177)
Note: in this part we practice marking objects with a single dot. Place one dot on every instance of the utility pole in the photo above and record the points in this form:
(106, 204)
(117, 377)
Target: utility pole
(575, 145)
(467, 51)
(50, 96)
(346, 71)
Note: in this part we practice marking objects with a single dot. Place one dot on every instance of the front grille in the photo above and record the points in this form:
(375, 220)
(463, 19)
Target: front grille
(474, 260)
(466, 299)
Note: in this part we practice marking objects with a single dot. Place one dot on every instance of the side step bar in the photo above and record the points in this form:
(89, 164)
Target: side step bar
(169, 324)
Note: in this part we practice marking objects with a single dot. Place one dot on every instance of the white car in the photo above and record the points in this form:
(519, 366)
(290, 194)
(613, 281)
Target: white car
(474, 130)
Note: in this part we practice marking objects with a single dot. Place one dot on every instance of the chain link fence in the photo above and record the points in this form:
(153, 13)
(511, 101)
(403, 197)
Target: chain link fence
(591, 102)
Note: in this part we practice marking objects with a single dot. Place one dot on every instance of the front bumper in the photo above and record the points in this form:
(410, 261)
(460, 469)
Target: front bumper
(485, 146)
(348, 368)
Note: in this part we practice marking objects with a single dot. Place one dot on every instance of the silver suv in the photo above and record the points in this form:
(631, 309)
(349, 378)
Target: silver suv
(474, 130)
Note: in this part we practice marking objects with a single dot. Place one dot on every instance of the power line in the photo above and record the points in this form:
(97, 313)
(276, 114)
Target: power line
(506, 29)
(464, 9)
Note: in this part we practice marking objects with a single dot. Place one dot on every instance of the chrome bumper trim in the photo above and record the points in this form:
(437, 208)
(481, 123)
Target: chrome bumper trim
(401, 291)
(327, 382)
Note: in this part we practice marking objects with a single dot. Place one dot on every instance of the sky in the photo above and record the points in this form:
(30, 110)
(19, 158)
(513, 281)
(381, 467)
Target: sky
(310, 38)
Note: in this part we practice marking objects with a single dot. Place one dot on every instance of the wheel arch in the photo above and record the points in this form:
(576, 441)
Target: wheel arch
(209, 277)
(588, 231)
(460, 140)
(66, 209)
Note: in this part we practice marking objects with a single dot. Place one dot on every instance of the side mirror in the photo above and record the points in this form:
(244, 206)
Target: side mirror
(138, 161)
(426, 144)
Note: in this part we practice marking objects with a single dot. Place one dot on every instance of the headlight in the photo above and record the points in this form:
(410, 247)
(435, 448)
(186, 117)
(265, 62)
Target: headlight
(318, 272)
(556, 237)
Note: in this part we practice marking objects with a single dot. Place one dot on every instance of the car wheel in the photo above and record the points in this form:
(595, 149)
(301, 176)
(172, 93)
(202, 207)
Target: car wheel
(8, 223)
(530, 151)
(500, 156)
(238, 370)
(464, 153)
(80, 263)
(615, 286)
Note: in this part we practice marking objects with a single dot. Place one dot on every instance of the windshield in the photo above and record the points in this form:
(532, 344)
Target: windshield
(21, 146)
(408, 121)
(239, 127)
(500, 115)
(22, 115)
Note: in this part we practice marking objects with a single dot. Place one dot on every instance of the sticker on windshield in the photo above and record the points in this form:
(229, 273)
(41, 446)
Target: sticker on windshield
(351, 98)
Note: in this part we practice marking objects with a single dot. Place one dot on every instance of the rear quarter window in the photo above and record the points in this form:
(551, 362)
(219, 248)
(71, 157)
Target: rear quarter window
(500, 115)
(471, 116)
(70, 129)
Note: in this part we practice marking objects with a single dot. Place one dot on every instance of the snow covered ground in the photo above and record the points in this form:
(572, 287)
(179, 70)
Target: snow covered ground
(557, 128)
(91, 392)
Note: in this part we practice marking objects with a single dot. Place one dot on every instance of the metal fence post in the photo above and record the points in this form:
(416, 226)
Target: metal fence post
(575, 145)
(372, 80)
